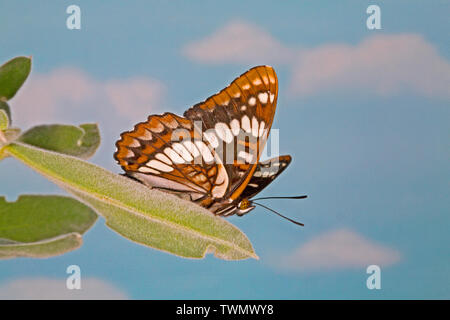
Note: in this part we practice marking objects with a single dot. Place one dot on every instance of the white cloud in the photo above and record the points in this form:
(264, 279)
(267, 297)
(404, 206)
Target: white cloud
(134, 96)
(380, 64)
(69, 95)
(239, 42)
(337, 250)
(51, 289)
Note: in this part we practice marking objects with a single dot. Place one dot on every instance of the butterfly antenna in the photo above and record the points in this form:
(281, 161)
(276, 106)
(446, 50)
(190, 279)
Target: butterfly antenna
(292, 197)
(293, 221)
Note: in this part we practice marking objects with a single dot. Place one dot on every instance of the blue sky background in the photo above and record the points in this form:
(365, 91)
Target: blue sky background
(373, 164)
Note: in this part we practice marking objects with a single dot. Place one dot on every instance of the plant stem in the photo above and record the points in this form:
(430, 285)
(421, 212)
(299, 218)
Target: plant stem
(2, 138)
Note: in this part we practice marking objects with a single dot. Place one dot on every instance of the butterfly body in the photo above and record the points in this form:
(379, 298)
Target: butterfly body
(211, 155)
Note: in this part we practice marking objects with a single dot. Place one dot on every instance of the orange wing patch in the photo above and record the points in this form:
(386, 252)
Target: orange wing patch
(164, 147)
(135, 147)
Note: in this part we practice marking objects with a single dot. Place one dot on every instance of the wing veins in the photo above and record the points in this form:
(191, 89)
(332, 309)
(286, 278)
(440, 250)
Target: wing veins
(173, 166)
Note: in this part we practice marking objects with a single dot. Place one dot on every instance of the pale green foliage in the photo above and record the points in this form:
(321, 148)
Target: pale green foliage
(42, 249)
(5, 108)
(149, 217)
(4, 120)
(12, 76)
(42, 226)
(80, 141)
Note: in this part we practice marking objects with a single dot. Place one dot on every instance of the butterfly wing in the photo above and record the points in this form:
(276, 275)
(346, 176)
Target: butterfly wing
(265, 173)
(160, 153)
(188, 156)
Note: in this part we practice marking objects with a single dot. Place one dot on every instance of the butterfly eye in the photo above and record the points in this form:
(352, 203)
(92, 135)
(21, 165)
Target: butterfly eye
(244, 204)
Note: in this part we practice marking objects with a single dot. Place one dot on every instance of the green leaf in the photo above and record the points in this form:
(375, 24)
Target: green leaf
(38, 217)
(146, 216)
(42, 226)
(42, 249)
(80, 141)
(12, 76)
(5, 107)
(4, 120)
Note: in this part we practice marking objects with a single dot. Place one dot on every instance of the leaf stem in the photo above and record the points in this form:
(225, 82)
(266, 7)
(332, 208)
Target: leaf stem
(3, 140)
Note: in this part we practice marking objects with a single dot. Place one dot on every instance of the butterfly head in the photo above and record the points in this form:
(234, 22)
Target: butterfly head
(244, 207)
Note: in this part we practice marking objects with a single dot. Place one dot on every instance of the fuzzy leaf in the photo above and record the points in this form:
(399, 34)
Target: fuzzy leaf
(12, 76)
(42, 249)
(41, 226)
(5, 107)
(80, 141)
(4, 120)
(38, 217)
(149, 217)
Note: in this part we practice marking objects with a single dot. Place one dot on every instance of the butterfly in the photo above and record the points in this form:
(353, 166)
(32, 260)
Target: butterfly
(211, 155)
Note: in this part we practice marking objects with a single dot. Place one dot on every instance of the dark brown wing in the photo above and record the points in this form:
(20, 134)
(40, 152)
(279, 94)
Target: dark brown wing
(264, 174)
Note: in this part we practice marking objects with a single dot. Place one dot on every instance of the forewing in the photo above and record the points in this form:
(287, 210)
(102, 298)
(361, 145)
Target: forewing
(239, 118)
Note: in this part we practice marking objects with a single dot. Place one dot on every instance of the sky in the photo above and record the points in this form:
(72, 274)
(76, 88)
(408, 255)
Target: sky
(364, 114)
